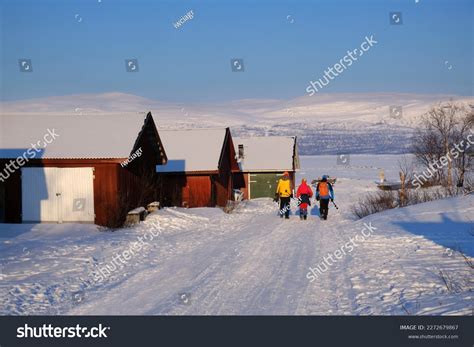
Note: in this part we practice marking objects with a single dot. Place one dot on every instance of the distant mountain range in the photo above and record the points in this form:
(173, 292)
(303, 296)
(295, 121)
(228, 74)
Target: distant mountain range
(324, 123)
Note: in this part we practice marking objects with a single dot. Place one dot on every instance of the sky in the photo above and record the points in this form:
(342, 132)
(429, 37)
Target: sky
(81, 47)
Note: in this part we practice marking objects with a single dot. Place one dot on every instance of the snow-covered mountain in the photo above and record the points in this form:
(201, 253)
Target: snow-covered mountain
(325, 123)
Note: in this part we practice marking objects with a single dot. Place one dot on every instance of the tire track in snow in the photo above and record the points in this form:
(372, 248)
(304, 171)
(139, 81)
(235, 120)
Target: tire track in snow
(284, 289)
(332, 292)
(190, 269)
(215, 292)
(261, 269)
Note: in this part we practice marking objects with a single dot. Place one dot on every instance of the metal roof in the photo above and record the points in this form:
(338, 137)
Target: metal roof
(267, 153)
(78, 136)
(192, 150)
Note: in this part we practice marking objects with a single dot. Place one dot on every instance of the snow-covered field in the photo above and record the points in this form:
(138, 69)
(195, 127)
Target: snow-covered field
(203, 261)
(324, 123)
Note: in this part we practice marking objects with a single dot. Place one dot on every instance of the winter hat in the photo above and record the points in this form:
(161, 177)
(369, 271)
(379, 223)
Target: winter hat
(325, 177)
(286, 174)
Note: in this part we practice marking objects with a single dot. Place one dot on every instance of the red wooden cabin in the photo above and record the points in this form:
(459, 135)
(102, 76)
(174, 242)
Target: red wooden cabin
(199, 168)
(81, 175)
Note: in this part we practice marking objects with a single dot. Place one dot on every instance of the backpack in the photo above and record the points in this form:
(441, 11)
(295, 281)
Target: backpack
(304, 199)
(323, 189)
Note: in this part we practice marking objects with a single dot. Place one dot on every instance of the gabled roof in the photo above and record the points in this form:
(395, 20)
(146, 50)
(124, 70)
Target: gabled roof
(78, 137)
(193, 150)
(268, 153)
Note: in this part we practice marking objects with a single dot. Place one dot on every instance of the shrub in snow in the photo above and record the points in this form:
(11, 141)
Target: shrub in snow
(385, 200)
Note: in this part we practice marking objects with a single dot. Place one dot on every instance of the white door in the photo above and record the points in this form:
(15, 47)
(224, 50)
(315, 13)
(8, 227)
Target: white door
(57, 195)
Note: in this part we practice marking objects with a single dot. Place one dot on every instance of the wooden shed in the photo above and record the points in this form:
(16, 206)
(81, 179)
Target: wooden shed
(262, 162)
(92, 170)
(199, 168)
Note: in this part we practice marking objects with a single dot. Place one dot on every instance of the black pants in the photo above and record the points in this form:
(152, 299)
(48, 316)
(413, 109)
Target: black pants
(285, 207)
(324, 208)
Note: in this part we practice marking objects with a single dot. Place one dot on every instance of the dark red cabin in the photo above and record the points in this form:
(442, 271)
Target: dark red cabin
(199, 168)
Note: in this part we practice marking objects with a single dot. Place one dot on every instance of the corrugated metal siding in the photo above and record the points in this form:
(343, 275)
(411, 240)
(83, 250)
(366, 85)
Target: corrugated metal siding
(263, 184)
(106, 192)
(172, 190)
(187, 191)
(197, 192)
(57, 195)
(242, 181)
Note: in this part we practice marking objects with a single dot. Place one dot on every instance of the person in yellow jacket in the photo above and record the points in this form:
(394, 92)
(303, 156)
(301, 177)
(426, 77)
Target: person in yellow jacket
(284, 192)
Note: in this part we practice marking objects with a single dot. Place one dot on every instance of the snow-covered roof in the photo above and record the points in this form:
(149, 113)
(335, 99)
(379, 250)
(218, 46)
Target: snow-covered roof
(192, 149)
(78, 136)
(267, 153)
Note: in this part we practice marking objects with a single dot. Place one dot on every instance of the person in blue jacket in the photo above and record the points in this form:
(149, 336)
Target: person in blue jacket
(324, 193)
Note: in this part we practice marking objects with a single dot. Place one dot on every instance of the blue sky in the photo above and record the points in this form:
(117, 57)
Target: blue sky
(192, 63)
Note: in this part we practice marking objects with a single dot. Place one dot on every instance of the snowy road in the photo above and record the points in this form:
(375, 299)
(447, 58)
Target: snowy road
(259, 266)
(249, 262)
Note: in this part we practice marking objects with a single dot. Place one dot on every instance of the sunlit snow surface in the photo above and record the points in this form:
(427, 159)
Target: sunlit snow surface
(251, 261)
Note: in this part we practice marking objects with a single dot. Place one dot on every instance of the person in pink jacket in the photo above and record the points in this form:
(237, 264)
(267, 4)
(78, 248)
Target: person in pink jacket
(304, 194)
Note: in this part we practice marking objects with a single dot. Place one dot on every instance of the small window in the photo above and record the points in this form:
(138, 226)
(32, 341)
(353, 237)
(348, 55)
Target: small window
(241, 151)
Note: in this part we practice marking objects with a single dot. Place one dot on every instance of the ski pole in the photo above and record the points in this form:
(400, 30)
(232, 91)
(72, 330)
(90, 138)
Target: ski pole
(337, 208)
